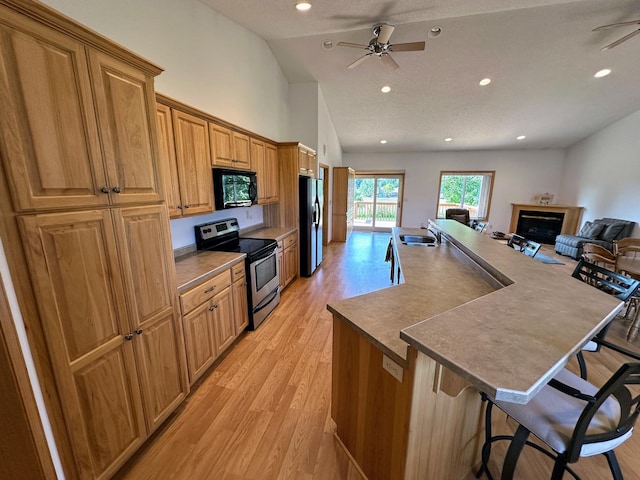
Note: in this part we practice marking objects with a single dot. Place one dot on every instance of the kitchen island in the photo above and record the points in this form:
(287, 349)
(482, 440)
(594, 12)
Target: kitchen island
(472, 315)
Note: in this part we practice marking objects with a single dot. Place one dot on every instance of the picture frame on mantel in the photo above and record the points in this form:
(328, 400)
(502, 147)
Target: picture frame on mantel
(545, 198)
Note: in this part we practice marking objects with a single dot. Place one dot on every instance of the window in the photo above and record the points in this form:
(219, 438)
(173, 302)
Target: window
(470, 190)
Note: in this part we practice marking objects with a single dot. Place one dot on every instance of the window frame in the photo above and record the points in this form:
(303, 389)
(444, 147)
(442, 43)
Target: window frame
(489, 173)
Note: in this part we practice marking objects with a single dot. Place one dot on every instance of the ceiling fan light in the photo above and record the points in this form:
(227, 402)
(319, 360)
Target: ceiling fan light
(327, 44)
(383, 142)
(303, 6)
(484, 81)
(521, 137)
(448, 139)
(385, 89)
(602, 73)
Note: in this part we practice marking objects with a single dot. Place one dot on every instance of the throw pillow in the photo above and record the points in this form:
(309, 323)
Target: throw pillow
(611, 232)
(459, 218)
(591, 230)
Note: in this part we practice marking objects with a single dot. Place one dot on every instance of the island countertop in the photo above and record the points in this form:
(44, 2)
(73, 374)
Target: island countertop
(501, 320)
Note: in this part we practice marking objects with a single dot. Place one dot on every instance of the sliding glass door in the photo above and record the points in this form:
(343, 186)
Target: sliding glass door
(377, 202)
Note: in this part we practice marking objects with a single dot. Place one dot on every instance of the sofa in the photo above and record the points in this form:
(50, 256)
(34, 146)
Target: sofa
(602, 231)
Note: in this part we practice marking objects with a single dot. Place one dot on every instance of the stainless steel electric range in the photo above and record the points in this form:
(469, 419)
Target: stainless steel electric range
(261, 264)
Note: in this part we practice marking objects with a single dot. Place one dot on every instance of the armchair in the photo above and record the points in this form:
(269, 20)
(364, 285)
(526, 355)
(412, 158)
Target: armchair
(458, 214)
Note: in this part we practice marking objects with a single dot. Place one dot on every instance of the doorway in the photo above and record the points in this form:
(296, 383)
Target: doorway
(378, 201)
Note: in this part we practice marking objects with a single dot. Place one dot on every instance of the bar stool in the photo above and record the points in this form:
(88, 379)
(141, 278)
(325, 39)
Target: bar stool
(627, 254)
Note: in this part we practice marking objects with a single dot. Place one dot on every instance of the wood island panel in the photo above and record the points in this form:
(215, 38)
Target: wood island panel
(469, 308)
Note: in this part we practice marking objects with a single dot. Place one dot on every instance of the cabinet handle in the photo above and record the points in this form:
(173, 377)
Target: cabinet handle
(105, 189)
(128, 336)
(179, 206)
(213, 307)
(210, 289)
(187, 206)
(138, 331)
(115, 189)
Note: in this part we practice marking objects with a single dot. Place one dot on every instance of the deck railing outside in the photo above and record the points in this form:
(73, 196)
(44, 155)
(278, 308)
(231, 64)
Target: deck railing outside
(386, 213)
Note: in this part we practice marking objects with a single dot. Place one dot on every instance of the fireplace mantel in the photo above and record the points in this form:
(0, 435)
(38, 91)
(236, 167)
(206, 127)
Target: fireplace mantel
(572, 215)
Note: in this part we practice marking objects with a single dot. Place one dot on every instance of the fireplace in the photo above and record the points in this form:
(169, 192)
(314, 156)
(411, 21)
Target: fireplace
(541, 227)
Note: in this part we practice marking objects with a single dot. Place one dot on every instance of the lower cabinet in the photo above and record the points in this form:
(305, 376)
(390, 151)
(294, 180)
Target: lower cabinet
(214, 313)
(288, 259)
(105, 285)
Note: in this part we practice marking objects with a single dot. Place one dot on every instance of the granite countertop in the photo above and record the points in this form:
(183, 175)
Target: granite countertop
(194, 268)
(501, 320)
(270, 232)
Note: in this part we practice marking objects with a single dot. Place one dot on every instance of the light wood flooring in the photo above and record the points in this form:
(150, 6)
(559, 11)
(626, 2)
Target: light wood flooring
(263, 412)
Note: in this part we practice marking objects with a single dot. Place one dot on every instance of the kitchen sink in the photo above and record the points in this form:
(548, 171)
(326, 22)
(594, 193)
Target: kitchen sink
(418, 240)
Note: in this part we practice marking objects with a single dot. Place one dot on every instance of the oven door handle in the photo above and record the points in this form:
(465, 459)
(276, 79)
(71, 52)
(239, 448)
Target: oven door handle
(264, 255)
(266, 300)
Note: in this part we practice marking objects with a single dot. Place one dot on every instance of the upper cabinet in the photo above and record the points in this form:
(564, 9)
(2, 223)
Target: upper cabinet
(50, 142)
(272, 170)
(229, 149)
(167, 163)
(307, 162)
(191, 137)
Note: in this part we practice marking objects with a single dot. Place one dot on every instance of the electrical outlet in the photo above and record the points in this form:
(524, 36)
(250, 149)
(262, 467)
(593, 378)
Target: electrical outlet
(392, 367)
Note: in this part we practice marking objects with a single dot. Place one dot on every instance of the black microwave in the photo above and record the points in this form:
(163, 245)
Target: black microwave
(234, 188)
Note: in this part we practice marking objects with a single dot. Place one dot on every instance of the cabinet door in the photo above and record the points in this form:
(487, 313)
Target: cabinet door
(167, 164)
(48, 134)
(221, 145)
(258, 165)
(312, 165)
(303, 161)
(79, 289)
(151, 292)
(291, 263)
(194, 163)
(199, 339)
(125, 102)
(224, 325)
(272, 174)
(240, 307)
(241, 151)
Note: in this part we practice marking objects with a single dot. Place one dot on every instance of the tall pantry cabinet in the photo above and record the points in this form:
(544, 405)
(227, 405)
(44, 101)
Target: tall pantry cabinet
(78, 145)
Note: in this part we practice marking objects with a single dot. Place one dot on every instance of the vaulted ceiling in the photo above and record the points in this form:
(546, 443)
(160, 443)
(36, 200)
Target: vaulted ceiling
(541, 56)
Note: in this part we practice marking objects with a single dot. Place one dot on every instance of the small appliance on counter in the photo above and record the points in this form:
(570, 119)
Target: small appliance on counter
(261, 264)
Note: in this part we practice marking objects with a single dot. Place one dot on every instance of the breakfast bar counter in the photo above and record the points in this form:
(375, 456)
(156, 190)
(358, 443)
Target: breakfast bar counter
(472, 315)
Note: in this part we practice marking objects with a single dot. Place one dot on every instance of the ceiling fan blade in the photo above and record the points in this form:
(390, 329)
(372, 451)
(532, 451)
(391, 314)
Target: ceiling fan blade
(407, 47)
(619, 41)
(385, 33)
(359, 61)
(387, 60)
(615, 25)
(352, 45)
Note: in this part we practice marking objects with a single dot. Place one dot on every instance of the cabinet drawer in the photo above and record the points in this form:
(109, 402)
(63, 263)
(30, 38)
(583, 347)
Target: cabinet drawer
(203, 292)
(280, 245)
(237, 271)
(290, 240)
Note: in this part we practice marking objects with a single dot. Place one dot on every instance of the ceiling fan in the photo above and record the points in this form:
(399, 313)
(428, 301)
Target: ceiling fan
(379, 45)
(616, 25)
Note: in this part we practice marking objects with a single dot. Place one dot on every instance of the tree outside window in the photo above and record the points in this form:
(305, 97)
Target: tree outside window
(471, 190)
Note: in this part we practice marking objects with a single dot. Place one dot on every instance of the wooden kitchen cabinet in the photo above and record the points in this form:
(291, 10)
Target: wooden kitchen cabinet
(239, 292)
(307, 162)
(209, 323)
(264, 161)
(288, 259)
(288, 213)
(59, 151)
(105, 287)
(191, 137)
(167, 163)
(343, 203)
(229, 148)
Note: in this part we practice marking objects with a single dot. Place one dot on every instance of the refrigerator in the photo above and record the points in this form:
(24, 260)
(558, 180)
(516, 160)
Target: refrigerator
(311, 200)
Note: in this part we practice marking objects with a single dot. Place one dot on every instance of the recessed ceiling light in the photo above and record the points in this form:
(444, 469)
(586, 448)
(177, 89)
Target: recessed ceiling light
(602, 73)
(521, 137)
(448, 139)
(385, 89)
(434, 32)
(383, 141)
(327, 44)
(485, 81)
(303, 6)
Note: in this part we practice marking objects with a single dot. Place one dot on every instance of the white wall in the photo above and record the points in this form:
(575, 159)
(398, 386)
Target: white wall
(602, 172)
(520, 175)
(303, 121)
